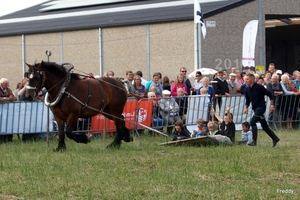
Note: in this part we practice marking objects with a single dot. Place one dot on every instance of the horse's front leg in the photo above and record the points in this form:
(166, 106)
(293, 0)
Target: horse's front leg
(77, 137)
(61, 135)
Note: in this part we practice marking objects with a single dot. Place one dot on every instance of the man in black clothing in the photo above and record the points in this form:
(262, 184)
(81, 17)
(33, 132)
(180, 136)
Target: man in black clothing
(220, 88)
(255, 94)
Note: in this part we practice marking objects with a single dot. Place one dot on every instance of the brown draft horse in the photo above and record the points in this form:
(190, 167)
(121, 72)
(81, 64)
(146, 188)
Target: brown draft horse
(71, 97)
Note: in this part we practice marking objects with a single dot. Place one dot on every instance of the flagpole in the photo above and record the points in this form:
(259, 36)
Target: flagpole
(196, 47)
(199, 24)
(199, 46)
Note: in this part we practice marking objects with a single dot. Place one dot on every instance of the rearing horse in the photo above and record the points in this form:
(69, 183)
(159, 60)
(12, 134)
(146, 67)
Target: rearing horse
(70, 97)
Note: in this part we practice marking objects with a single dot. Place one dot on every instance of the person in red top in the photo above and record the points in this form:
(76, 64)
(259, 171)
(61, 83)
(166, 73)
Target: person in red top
(291, 109)
(179, 83)
(292, 88)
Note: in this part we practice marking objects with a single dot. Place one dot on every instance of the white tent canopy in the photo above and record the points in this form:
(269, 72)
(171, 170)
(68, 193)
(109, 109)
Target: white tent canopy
(204, 72)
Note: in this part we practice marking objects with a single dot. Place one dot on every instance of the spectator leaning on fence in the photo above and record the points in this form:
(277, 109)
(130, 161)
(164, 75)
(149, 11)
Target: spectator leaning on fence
(274, 86)
(169, 110)
(6, 93)
(255, 94)
(297, 81)
(284, 84)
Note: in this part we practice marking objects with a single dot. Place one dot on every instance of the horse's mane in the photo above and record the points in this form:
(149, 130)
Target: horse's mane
(58, 70)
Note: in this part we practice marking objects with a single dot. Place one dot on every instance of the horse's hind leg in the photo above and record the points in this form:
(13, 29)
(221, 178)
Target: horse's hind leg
(61, 135)
(122, 133)
(125, 132)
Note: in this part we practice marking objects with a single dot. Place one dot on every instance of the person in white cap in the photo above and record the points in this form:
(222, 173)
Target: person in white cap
(169, 110)
(279, 73)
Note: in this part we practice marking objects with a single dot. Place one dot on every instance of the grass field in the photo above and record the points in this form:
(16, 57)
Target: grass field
(145, 170)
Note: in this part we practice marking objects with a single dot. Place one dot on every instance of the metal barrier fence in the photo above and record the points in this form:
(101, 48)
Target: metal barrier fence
(32, 117)
(286, 113)
(24, 118)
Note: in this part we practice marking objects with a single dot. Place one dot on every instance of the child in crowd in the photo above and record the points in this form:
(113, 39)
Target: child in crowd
(215, 134)
(213, 128)
(180, 133)
(154, 90)
(227, 126)
(157, 122)
(202, 130)
(247, 136)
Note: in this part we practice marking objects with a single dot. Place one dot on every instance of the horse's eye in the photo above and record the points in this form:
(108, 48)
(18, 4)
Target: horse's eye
(31, 76)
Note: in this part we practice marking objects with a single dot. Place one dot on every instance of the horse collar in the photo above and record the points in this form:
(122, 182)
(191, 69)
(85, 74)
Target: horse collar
(62, 91)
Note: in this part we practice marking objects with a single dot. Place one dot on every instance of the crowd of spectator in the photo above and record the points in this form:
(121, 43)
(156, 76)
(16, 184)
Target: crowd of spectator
(170, 100)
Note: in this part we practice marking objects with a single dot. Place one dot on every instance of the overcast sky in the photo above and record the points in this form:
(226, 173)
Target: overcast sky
(15, 5)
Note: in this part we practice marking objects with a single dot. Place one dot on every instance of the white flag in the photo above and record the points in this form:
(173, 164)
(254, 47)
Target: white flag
(198, 17)
(249, 40)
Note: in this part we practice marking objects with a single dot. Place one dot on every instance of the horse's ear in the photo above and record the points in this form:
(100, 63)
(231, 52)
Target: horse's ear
(40, 65)
(28, 65)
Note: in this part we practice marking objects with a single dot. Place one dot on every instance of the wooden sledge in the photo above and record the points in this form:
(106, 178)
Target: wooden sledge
(198, 141)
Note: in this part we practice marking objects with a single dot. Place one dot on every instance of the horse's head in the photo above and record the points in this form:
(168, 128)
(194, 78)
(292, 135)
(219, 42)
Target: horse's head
(36, 77)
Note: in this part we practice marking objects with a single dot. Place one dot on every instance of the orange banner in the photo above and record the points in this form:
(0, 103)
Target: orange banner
(134, 111)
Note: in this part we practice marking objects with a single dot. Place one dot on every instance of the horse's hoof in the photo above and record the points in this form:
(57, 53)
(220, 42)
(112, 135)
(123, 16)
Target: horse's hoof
(113, 145)
(128, 139)
(59, 149)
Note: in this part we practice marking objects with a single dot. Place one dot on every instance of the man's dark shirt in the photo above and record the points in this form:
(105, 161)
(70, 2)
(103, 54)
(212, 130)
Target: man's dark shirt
(256, 95)
(188, 85)
(183, 104)
(243, 88)
(221, 87)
